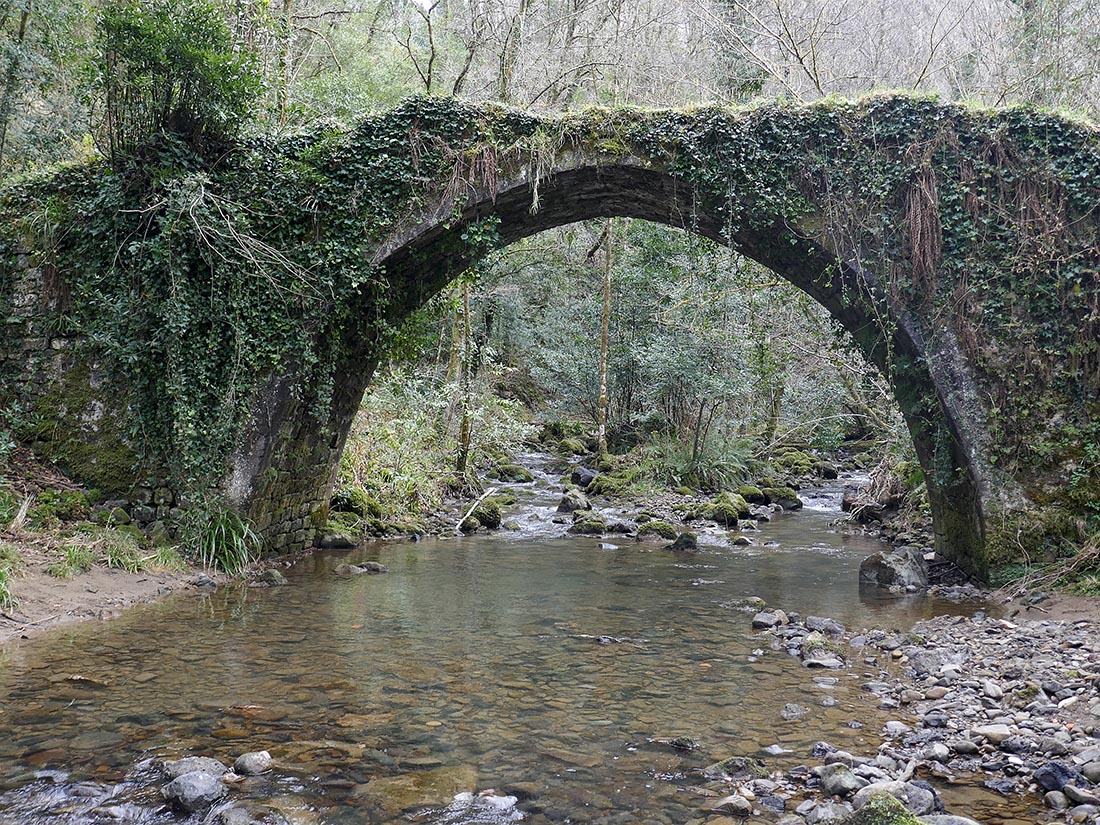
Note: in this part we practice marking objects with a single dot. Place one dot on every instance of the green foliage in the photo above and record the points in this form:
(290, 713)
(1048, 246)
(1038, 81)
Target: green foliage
(356, 500)
(169, 68)
(10, 562)
(120, 550)
(720, 464)
(221, 539)
(52, 507)
(401, 449)
(78, 558)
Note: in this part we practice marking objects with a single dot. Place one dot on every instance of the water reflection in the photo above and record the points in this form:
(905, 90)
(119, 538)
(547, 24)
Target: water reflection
(548, 668)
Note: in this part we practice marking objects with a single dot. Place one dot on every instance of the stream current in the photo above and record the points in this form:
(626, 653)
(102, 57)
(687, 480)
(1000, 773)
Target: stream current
(547, 667)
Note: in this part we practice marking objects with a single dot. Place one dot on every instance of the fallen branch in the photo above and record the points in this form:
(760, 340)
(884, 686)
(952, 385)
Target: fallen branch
(458, 527)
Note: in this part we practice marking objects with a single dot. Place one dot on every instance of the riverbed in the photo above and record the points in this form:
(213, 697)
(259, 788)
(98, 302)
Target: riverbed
(554, 669)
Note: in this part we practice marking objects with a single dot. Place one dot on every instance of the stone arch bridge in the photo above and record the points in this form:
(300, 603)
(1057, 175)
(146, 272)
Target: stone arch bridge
(960, 248)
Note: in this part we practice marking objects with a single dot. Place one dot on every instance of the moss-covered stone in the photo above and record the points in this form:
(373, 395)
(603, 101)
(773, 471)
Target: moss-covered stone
(883, 809)
(511, 472)
(795, 462)
(488, 514)
(54, 506)
(658, 528)
(607, 485)
(785, 497)
(342, 529)
(751, 494)
(355, 499)
(727, 508)
(571, 446)
(588, 523)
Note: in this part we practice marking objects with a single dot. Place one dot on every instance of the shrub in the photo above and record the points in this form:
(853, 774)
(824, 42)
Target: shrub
(223, 539)
(166, 68)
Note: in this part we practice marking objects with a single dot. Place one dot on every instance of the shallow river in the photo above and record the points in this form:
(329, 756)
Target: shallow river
(548, 667)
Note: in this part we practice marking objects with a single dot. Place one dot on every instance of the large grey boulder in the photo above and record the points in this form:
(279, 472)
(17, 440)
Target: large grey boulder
(901, 569)
(195, 791)
(573, 500)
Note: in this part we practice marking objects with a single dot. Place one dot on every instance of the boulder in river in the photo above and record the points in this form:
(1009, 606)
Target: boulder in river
(685, 543)
(582, 476)
(900, 569)
(194, 791)
(252, 763)
(573, 500)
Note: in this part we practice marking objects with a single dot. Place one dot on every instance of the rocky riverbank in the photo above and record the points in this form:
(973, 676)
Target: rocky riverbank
(1012, 706)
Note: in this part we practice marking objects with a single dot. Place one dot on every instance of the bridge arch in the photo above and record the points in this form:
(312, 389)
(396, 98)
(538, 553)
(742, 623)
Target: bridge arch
(427, 254)
(960, 248)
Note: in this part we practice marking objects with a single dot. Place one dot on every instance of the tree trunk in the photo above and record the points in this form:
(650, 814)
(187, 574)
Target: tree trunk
(463, 456)
(11, 82)
(605, 324)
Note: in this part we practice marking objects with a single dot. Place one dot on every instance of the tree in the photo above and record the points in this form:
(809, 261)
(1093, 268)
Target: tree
(169, 68)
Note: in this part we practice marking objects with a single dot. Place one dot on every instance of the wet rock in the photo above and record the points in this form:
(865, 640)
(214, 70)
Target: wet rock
(793, 711)
(736, 768)
(838, 780)
(1092, 772)
(369, 567)
(194, 791)
(918, 800)
(271, 577)
(1055, 800)
(388, 796)
(830, 627)
(685, 543)
(734, 805)
(1002, 785)
(178, 767)
(994, 733)
(252, 763)
(766, 619)
(827, 812)
(900, 569)
(582, 476)
(573, 500)
(1080, 796)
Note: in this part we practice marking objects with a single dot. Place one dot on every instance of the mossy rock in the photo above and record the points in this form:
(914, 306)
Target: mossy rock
(883, 809)
(505, 499)
(572, 446)
(738, 768)
(488, 514)
(796, 462)
(588, 524)
(608, 463)
(825, 469)
(785, 497)
(658, 528)
(54, 506)
(358, 501)
(470, 524)
(511, 472)
(727, 508)
(739, 540)
(751, 494)
(606, 485)
(684, 491)
(341, 530)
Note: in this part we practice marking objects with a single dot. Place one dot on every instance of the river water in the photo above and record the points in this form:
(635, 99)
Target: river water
(547, 667)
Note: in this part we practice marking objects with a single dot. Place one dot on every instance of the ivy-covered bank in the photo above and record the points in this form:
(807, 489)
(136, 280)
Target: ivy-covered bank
(220, 319)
